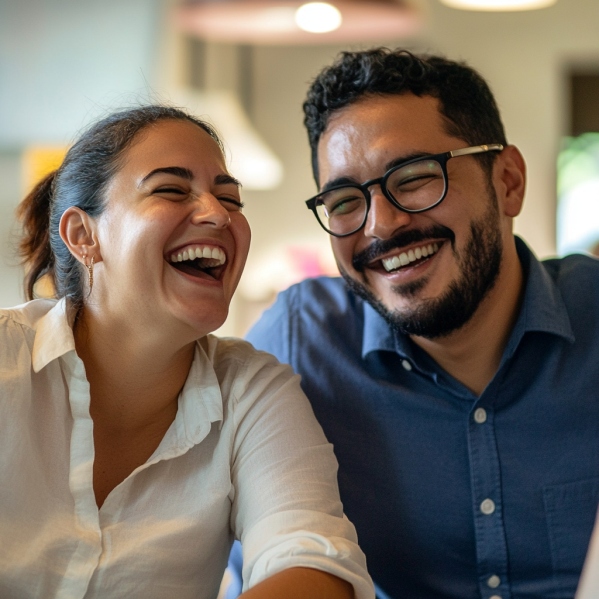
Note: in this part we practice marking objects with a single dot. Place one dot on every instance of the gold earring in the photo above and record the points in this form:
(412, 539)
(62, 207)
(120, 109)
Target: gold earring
(90, 272)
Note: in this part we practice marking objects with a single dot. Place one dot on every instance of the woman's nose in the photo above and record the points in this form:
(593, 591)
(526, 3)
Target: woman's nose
(209, 211)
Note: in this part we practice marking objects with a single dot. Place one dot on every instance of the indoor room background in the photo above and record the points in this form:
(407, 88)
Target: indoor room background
(64, 63)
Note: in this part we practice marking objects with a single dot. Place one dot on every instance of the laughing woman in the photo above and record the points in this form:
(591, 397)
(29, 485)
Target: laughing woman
(134, 445)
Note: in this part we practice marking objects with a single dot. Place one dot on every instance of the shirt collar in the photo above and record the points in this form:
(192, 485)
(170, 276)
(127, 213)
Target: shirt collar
(201, 399)
(200, 402)
(543, 310)
(53, 336)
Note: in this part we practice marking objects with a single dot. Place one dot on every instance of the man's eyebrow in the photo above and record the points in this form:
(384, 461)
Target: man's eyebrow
(340, 181)
(178, 171)
(406, 158)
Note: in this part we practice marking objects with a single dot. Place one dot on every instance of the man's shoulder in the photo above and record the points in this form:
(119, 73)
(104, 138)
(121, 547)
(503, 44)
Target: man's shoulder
(576, 278)
(576, 275)
(311, 312)
(320, 297)
(572, 265)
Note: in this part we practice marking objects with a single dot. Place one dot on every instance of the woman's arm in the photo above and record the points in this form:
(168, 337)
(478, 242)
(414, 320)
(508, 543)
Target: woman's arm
(301, 583)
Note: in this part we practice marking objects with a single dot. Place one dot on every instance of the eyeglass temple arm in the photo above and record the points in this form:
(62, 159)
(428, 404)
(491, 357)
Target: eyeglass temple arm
(476, 150)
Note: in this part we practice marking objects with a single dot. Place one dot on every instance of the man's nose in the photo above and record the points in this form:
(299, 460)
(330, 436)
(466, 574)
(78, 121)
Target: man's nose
(384, 218)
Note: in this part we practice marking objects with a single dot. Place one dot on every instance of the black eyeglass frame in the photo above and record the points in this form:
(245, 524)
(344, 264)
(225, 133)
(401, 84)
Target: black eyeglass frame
(382, 181)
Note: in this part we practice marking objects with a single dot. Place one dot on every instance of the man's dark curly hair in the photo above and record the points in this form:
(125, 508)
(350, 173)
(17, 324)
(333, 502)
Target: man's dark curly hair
(465, 99)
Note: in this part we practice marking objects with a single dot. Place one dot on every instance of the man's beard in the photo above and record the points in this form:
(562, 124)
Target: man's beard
(438, 317)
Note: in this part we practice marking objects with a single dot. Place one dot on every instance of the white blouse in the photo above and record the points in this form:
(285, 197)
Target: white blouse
(244, 458)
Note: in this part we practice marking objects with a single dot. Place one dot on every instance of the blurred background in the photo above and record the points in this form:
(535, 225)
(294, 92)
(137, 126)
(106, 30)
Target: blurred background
(65, 63)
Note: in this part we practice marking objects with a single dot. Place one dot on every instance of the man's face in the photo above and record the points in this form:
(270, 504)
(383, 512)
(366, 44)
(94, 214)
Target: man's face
(425, 273)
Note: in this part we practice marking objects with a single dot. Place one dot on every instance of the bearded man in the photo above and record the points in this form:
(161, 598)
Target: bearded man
(454, 373)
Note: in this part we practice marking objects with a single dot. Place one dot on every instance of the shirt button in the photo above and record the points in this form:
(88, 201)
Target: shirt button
(495, 597)
(487, 507)
(406, 365)
(493, 581)
(480, 415)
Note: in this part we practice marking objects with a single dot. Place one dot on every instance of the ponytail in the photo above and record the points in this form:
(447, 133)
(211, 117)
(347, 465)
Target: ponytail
(34, 248)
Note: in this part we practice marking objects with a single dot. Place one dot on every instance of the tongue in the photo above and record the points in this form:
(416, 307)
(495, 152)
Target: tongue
(193, 269)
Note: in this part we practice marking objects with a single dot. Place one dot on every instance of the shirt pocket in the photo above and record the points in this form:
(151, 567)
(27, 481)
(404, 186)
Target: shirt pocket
(570, 509)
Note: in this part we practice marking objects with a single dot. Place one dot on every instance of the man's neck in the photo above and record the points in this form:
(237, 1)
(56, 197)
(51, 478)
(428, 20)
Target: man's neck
(473, 353)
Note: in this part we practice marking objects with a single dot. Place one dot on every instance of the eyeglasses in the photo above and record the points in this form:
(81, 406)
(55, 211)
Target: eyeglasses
(413, 186)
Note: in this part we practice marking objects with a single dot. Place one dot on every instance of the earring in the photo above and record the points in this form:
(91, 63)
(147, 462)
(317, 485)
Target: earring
(90, 272)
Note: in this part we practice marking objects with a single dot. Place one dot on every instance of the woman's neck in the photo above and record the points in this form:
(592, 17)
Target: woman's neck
(135, 376)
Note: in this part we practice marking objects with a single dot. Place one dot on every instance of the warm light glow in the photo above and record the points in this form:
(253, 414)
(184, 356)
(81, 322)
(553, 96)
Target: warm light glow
(498, 5)
(318, 17)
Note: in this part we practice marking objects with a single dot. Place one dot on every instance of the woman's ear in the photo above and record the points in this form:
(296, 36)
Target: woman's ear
(510, 180)
(77, 230)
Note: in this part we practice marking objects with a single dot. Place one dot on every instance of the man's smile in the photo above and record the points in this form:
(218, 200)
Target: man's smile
(405, 248)
(410, 257)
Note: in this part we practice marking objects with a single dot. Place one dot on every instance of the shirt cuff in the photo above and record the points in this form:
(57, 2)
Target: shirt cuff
(330, 545)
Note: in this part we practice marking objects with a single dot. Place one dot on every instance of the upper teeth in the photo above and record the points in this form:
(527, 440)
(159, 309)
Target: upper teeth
(410, 256)
(200, 251)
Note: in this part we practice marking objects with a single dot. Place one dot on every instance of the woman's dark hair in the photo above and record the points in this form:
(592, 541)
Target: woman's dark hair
(81, 181)
(465, 99)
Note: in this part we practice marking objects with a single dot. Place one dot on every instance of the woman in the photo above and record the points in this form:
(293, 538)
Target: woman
(134, 445)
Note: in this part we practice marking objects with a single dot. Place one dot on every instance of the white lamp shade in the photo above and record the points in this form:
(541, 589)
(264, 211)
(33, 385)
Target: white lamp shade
(249, 158)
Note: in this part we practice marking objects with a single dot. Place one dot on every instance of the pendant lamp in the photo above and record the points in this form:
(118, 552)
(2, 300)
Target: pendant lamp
(297, 22)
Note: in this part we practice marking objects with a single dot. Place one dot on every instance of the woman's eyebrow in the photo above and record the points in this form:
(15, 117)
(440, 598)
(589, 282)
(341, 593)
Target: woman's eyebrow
(178, 171)
(226, 180)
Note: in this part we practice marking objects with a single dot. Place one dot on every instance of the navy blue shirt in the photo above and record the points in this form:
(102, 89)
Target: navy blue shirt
(454, 495)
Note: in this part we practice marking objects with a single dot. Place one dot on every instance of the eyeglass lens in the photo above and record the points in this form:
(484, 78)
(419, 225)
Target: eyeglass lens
(414, 186)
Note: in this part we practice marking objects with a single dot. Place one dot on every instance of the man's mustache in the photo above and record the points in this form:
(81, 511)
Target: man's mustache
(403, 239)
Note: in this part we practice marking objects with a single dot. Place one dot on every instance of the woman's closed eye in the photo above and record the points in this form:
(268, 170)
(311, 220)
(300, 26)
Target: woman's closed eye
(231, 204)
(168, 190)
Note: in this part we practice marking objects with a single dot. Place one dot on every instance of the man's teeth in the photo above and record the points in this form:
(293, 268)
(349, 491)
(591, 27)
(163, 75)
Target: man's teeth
(406, 258)
(212, 255)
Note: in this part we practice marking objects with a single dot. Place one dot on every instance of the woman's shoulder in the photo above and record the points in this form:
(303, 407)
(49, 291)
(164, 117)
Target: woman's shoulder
(240, 367)
(26, 315)
(233, 350)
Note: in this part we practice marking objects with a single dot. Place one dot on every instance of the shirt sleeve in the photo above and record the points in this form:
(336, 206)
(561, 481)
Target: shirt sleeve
(285, 500)
(272, 332)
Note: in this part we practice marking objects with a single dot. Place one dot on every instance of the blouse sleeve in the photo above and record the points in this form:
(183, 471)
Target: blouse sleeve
(286, 508)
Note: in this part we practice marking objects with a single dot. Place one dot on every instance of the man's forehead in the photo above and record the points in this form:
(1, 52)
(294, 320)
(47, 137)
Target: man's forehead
(379, 129)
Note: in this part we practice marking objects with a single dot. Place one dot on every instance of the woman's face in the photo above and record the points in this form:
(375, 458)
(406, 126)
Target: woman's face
(171, 202)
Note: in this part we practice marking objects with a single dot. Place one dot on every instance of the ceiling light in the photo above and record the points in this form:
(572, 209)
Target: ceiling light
(498, 5)
(281, 21)
(318, 17)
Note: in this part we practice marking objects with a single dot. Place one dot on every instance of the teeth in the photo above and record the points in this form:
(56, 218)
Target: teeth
(406, 258)
(214, 254)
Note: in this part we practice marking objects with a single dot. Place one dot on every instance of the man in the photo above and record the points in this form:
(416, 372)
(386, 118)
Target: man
(455, 375)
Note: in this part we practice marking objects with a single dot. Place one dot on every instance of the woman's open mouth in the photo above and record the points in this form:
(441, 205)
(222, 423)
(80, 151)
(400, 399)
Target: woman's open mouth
(199, 261)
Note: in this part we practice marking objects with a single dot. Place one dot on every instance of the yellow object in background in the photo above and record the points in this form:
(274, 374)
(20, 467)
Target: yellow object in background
(38, 161)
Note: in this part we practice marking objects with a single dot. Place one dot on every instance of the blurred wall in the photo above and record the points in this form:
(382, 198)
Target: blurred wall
(63, 62)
